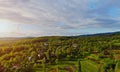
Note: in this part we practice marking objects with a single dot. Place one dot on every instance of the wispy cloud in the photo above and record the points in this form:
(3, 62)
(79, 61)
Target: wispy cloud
(60, 16)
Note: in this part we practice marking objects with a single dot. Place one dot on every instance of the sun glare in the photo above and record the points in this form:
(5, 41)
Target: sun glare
(6, 26)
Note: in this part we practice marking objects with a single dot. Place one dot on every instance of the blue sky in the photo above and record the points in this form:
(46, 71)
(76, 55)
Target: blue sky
(58, 17)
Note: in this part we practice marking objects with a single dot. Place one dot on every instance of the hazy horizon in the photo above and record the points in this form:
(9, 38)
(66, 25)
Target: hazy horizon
(35, 18)
(6, 37)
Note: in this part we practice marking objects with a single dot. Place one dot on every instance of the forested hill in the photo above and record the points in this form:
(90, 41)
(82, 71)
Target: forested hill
(98, 51)
(102, 34)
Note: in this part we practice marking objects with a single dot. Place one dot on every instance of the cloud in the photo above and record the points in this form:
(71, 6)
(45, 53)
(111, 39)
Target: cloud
(60, 16)
(42, 11)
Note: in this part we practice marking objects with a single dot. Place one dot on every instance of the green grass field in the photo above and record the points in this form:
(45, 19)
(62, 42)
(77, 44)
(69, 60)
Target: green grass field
(72, 66)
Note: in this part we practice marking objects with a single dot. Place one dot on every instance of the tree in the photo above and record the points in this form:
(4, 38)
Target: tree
(79, 66)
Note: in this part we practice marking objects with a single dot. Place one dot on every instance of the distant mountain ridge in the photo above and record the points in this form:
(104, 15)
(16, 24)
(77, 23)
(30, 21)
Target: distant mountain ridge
(101, 34)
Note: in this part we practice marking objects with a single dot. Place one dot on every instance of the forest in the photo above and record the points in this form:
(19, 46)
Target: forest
(87, 53)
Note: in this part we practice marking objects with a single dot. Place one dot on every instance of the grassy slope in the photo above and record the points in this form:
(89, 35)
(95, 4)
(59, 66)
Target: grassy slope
(87, 66)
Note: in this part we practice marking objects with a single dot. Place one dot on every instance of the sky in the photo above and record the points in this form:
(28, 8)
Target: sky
(34, 18)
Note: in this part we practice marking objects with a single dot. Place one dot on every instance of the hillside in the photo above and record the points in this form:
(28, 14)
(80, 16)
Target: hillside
(85, 53)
